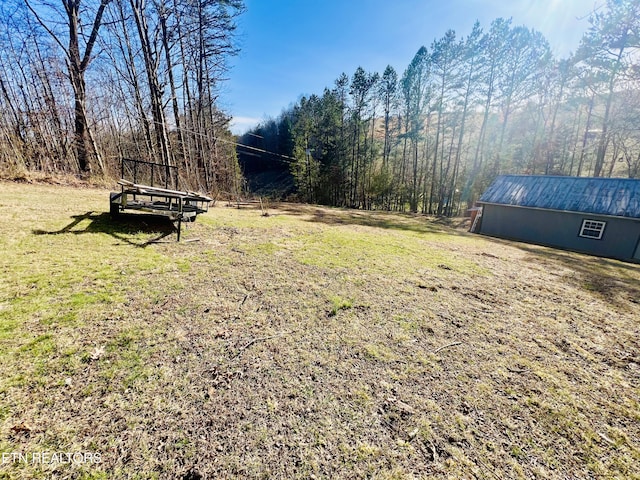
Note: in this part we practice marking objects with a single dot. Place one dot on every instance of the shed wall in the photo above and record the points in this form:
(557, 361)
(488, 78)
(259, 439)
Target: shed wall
(562, 229)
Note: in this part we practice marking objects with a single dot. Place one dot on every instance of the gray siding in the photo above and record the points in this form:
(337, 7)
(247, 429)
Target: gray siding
(562, 229)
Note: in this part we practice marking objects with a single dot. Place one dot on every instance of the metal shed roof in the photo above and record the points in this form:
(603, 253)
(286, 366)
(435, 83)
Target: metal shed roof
(602, 196)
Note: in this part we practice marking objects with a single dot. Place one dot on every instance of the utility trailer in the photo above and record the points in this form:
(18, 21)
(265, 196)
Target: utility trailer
(144, 186)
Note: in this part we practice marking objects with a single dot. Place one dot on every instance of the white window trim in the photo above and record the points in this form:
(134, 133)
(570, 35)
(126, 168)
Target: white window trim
(595, 226)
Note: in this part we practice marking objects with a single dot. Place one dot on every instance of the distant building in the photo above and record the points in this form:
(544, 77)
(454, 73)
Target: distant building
(599, 216)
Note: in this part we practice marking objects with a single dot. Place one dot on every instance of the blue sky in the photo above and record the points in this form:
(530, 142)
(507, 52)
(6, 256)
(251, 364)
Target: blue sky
(291, 48)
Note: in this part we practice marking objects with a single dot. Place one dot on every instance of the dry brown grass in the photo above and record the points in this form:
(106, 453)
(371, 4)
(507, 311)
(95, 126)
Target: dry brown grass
(310, 343)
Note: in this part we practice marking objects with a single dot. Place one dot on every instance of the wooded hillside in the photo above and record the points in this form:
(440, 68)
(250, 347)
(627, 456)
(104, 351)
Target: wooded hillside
(86, 82)
(464, 110)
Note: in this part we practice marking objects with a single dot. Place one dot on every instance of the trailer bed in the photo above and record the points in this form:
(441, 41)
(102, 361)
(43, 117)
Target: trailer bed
(178, 205)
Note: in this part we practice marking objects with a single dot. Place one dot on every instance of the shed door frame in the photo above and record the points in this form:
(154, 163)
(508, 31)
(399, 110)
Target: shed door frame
(636, 256)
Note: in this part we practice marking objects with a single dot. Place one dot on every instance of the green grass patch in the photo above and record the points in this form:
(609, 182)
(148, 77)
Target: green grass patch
(339, 303)
(341, 247)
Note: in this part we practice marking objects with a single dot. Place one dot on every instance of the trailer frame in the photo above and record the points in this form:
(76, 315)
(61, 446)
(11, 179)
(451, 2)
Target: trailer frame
(177, 205)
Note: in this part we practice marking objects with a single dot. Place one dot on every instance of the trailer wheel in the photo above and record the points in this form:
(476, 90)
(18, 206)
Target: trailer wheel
(114, 205)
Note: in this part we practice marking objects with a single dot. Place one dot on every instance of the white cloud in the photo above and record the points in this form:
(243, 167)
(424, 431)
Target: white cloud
(240, 125)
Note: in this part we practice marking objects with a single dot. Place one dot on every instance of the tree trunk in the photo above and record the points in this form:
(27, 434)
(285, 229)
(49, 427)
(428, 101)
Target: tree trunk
(603, 141)
(151, 67)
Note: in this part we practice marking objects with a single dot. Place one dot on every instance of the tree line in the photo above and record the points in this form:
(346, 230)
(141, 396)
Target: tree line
(84, 83)
(463, 111)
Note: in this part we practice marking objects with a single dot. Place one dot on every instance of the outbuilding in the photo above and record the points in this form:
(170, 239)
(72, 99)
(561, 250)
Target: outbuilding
(598, 216)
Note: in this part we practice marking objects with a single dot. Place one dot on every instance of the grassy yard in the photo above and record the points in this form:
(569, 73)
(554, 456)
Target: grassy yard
(310, 343)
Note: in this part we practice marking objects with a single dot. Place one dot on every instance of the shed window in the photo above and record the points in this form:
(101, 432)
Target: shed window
(592, 229)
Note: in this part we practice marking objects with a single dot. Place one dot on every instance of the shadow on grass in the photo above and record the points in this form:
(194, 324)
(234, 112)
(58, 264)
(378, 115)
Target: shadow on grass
(122, 227)
(378, 219)
(614, 280)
